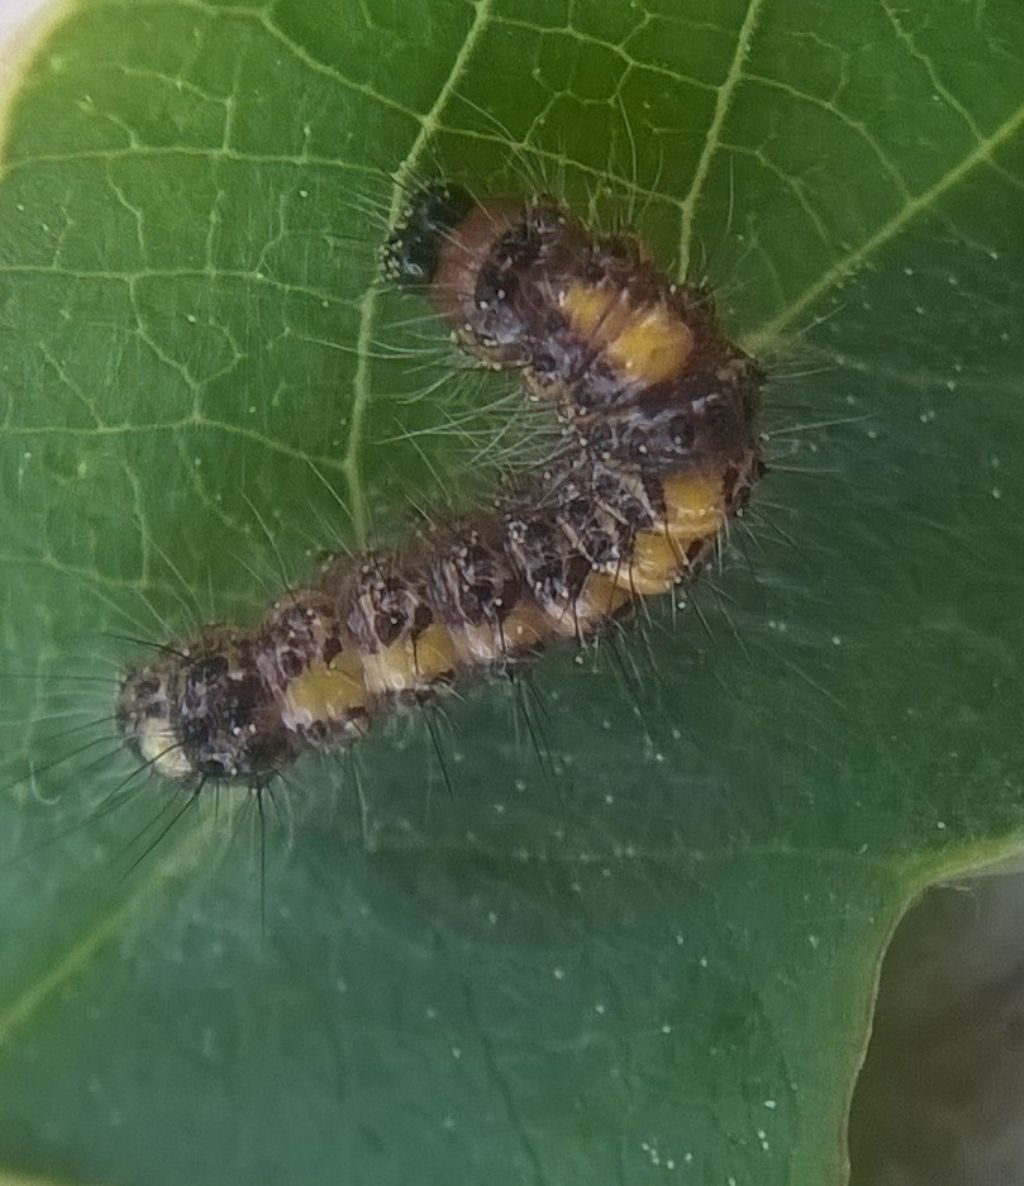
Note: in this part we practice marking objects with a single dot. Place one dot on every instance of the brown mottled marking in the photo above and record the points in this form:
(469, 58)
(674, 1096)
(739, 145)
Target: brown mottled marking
(662, 451)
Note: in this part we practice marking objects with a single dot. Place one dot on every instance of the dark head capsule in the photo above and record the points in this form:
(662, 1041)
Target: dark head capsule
(411, 252)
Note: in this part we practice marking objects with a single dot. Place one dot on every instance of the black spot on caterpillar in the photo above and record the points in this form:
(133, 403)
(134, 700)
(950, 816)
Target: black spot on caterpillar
(659, 450)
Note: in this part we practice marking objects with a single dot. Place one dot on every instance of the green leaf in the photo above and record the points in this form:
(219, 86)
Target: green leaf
(653, 952)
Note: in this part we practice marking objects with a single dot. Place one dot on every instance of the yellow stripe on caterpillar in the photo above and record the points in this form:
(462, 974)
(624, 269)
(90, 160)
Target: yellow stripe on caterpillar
(323, 693)
(694, 506)
(650, 343)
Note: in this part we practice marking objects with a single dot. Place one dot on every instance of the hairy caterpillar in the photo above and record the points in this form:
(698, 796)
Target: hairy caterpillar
(659, 451)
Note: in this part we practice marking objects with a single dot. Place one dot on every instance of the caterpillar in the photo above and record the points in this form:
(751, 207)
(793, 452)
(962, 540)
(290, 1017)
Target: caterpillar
(659, 450)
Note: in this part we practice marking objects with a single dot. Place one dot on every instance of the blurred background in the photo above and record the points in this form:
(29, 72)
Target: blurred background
(15, 16)
(940, 1101)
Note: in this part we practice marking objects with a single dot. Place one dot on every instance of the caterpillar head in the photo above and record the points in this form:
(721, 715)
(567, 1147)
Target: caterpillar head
(410, 256)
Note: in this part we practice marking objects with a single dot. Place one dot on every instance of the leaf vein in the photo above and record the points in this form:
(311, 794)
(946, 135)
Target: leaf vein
(369, 306)
(722, 104)
(854, 259)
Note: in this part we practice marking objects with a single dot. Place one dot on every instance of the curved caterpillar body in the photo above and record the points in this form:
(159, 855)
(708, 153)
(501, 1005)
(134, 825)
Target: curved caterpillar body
(661, 449)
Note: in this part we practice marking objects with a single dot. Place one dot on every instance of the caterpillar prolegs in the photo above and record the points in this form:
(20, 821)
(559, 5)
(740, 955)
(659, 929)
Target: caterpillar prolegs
(659, 450)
